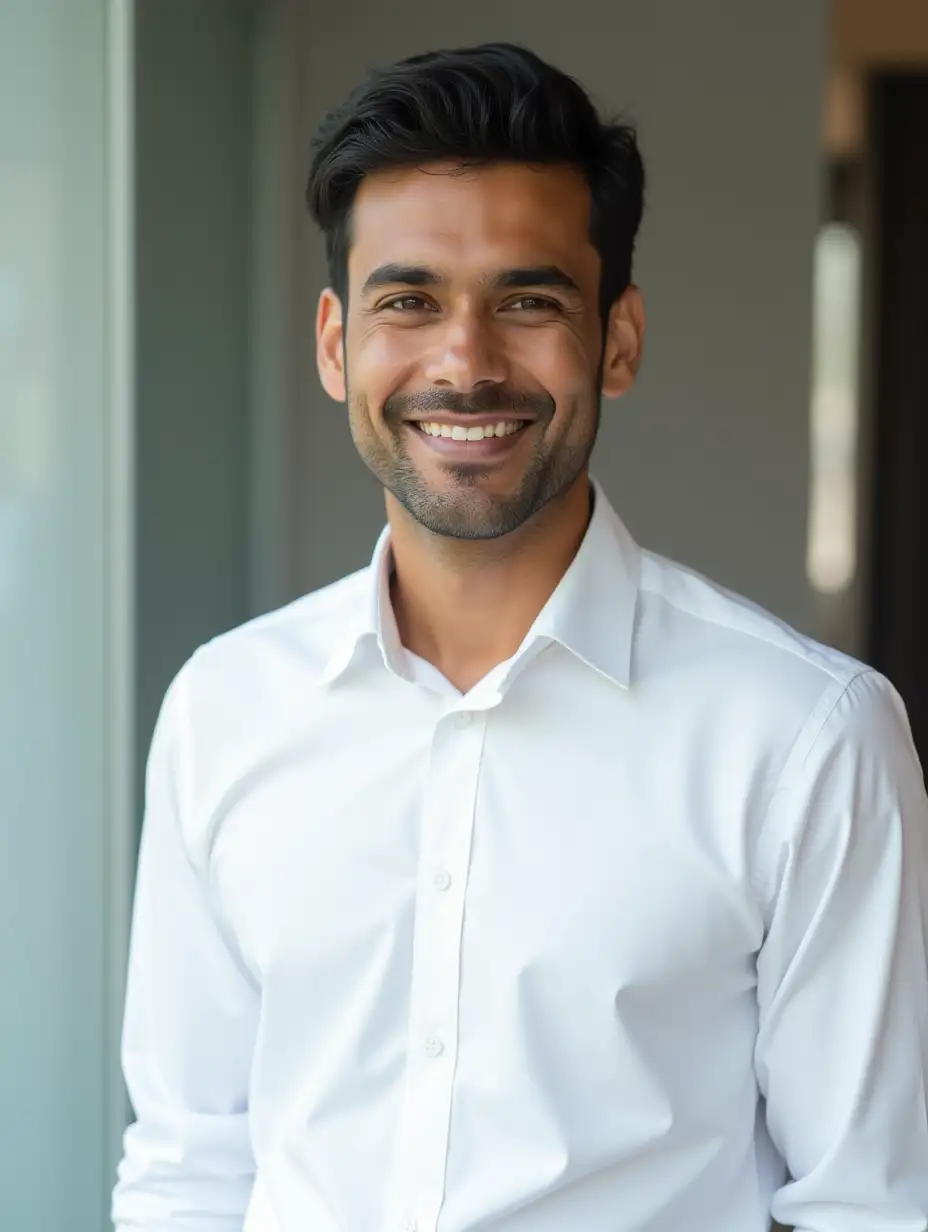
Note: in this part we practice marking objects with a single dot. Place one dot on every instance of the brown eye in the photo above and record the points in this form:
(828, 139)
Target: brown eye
(534, 303)
(407, 303)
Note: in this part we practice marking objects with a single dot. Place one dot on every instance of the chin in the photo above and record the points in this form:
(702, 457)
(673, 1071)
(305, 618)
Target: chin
(466, 515)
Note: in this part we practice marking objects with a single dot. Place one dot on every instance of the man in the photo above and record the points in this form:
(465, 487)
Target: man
(524, 881)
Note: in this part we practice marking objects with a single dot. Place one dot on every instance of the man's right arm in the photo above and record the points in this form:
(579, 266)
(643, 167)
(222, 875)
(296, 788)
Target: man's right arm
(190, 1024)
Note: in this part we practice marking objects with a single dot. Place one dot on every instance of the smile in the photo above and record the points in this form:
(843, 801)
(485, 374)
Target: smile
(463, 442)
(458, 432)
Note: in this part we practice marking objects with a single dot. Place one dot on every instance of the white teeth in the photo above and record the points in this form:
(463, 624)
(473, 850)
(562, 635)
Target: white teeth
(458, 432)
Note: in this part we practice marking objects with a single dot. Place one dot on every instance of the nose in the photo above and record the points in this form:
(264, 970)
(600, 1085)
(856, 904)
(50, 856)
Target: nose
(465, 355)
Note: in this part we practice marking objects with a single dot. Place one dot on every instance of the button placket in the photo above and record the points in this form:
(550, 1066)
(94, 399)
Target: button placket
(421, 1145)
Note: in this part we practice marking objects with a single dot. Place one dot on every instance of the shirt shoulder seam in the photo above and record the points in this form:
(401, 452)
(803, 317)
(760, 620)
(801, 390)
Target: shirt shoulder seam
(757, 636)
(306, 607)
(805, 741)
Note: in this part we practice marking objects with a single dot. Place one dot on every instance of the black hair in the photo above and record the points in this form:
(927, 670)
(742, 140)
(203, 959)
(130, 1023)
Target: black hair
(480, 105)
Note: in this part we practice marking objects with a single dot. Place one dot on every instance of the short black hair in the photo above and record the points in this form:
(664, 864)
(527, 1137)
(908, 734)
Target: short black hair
(495, 103)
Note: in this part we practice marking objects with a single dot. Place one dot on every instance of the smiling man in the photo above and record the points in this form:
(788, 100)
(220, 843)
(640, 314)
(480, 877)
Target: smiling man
(523, 881)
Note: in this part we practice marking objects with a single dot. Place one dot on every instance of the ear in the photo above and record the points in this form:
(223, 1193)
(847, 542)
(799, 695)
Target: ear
(330, 350)
(624, 343)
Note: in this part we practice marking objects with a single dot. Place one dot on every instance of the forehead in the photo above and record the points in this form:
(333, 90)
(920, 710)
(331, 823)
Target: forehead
(474, 219)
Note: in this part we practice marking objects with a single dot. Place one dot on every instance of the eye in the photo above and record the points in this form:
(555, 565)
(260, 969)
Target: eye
(534, 303)
(407, 303)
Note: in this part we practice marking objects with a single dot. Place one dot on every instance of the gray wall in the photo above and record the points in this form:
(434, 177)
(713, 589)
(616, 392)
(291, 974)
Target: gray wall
(193, 153)
(707, 460)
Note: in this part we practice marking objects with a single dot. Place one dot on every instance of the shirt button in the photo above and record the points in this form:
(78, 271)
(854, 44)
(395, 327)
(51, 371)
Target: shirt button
(442, 881)
(434, 1047)
(408, 1225)
(463, 718)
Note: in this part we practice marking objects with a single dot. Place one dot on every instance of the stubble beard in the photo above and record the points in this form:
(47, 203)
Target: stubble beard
(465, 512)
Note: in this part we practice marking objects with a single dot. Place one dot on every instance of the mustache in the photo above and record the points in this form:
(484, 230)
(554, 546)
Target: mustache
(480, 402)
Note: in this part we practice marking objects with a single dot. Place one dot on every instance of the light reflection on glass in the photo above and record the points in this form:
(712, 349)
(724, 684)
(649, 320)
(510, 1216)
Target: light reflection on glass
(832, 544)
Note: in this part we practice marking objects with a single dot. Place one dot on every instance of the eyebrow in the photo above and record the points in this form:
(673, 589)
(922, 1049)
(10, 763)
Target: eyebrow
(393, 274)
(535, 276)
(400, 275)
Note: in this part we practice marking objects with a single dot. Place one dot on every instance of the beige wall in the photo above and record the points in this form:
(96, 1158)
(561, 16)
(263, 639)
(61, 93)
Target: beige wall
(880, 33)
(867, 36)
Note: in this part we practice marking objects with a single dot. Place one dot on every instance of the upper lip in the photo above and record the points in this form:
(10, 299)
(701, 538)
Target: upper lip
(471, 421)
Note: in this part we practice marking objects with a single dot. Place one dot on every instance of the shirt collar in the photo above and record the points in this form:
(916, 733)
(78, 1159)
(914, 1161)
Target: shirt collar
(591, 612)
(374, 620)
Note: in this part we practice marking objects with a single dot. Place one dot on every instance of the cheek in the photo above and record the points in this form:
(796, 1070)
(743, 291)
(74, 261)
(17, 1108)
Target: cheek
(380, 364)
(383, 356)
(560, 362)
(558, 357)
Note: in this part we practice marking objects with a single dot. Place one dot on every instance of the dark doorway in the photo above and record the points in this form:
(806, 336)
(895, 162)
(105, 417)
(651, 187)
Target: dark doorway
(899, 612)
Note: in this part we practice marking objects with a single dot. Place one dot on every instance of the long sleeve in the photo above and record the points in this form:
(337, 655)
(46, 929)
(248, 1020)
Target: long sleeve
(842, 1047)
(190, 1023)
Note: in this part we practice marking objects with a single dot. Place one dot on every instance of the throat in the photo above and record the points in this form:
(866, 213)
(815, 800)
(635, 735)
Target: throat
(467, 606)
(462, 641)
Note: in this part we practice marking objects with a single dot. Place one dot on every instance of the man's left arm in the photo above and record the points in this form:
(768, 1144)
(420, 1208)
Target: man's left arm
(842, 977)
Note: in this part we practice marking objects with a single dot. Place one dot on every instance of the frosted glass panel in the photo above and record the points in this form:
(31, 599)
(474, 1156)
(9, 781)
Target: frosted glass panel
(55, 626)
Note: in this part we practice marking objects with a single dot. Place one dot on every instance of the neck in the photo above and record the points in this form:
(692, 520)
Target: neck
(466, 605)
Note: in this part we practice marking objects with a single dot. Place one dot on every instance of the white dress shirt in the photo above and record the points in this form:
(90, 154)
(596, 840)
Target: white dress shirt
(629, 938)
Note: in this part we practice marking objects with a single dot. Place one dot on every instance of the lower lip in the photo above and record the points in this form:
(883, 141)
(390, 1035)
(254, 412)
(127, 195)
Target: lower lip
(470, 451)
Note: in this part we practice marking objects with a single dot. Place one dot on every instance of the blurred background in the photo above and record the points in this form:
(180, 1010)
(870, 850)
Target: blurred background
(170, 467)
